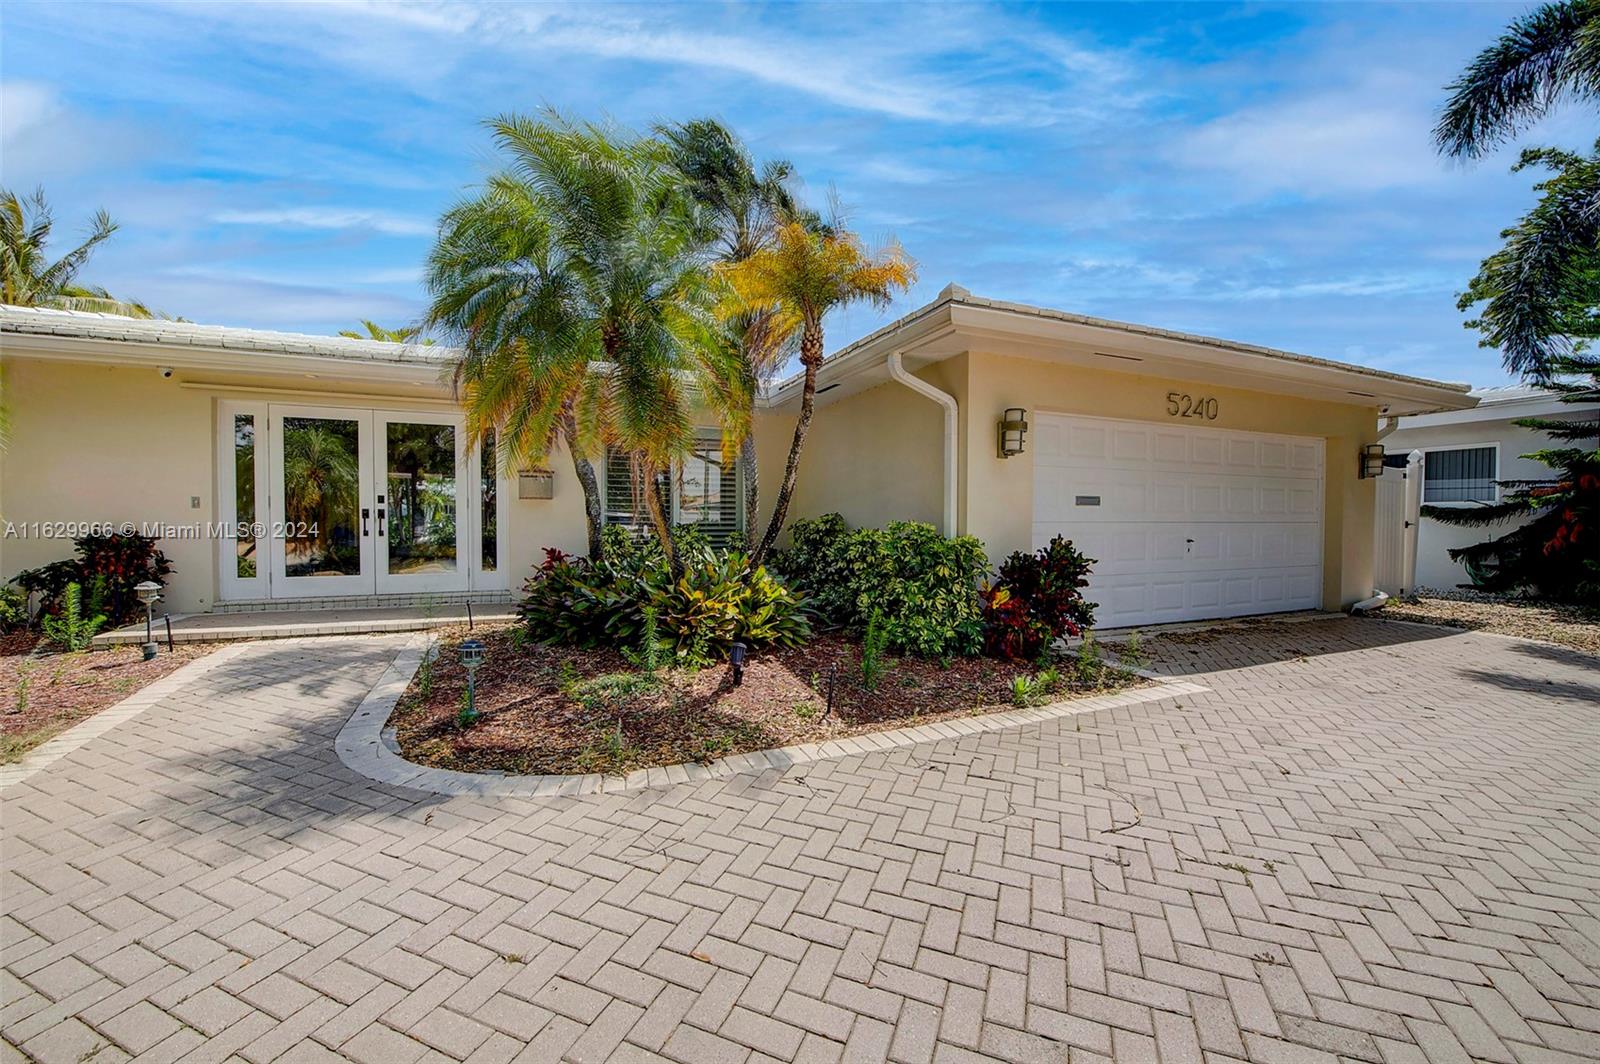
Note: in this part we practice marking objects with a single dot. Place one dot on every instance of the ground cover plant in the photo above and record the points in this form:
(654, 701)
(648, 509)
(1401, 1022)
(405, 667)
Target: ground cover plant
(561, 709)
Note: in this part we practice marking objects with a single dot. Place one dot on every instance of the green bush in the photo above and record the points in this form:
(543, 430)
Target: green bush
(579, 602)
(70, 629)
(13, 608)
(924, 585)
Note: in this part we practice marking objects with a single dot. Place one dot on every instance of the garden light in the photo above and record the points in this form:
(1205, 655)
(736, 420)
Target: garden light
(149, 592)
(736, 656)
(472, 652)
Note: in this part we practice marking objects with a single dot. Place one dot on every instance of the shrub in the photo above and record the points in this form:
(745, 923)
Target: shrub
(122, 562)
(872, 646)
(13, 608)
(924, 585)
(1036, 599)
(718, 599)
(70, 629)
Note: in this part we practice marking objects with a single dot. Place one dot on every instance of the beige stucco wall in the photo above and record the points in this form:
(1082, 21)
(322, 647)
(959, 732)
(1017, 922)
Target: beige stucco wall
(874, 457)
(998, 506)
(99, 443)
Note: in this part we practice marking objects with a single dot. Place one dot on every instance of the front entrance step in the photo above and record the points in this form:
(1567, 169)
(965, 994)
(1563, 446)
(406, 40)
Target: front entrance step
(286, 624)
(439, 599)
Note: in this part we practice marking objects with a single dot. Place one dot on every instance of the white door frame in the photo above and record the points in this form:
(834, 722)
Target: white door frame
(466, 523)
(231, 585)
(361, 583)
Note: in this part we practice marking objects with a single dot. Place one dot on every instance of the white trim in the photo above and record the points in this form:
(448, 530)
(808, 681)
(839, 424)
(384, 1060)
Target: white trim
(1461, 504)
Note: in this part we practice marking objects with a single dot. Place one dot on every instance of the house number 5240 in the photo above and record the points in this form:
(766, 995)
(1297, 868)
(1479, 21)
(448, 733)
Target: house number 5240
(1181, 404)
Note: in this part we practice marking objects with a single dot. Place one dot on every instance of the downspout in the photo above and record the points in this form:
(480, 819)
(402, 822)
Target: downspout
(1387, 424)
(897, 370)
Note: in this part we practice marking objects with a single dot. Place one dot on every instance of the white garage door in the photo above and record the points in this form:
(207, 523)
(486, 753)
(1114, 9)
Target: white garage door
(1186, 523)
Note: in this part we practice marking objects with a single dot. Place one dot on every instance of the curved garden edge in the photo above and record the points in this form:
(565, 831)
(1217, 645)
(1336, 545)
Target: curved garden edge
(364, 747)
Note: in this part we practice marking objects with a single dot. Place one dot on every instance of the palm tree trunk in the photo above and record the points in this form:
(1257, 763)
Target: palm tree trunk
(658, 518)
(811, 359)
(752, 481)
(584, 469)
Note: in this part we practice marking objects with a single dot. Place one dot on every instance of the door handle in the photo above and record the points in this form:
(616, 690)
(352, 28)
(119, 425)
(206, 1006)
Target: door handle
(366, 514)
(380, 522)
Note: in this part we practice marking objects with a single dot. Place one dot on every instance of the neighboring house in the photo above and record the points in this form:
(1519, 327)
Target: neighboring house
(1465, 456)
(1209, 478)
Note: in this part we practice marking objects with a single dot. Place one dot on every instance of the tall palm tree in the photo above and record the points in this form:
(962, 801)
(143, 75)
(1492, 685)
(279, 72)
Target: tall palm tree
(28, 277)
(1546, 56)
(808, 271)
(374, 331)
(576, 285)
(1550, 54)
(745, 206)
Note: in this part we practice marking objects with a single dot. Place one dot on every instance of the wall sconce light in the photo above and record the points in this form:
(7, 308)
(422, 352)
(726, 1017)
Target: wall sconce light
(1372, 460)
(1013, 431)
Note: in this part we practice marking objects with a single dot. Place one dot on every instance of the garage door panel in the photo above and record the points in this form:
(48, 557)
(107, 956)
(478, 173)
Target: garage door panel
(1188, 522)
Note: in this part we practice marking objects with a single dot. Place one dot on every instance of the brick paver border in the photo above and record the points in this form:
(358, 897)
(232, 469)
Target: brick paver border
(366, 745)
(60, 746)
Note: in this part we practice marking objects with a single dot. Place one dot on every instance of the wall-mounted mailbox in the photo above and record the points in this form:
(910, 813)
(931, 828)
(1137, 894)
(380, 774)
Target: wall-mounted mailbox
(536, 484)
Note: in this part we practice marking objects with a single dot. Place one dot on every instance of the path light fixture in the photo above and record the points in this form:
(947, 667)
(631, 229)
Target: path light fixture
(1013, 431)
(472, 652)
(149, 593)
(736, 656)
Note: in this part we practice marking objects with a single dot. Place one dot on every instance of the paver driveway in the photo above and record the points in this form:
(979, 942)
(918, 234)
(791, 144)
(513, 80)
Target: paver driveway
(1368, 840)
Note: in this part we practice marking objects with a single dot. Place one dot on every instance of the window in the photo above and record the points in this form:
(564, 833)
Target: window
(489, 502)
(1461, 474)
(703, 491)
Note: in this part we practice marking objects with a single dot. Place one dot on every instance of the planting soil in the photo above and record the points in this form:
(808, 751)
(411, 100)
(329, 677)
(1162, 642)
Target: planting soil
(560, 710)
(43, 693)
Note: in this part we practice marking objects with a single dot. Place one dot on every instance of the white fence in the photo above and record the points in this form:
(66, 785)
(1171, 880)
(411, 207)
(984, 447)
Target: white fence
(1394, 533)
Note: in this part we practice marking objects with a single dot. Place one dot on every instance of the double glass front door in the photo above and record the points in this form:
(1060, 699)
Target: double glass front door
(352, 502)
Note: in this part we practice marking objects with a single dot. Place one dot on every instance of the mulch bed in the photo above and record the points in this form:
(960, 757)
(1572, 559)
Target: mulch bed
(543, 711)
(43, 692)
(1550, 622)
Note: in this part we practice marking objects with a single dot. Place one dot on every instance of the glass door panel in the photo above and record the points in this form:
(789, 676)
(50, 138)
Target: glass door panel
(242, 481)
(321, 508)
(420, 533)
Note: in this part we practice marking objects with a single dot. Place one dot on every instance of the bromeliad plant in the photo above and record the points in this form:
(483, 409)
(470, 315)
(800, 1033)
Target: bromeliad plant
(1035, 600)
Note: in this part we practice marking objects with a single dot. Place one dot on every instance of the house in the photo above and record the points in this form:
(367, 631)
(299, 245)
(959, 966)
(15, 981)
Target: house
(1463, 456)
(1209, 478)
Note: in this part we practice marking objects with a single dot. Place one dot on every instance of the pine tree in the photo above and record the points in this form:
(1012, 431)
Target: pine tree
(1556, 551)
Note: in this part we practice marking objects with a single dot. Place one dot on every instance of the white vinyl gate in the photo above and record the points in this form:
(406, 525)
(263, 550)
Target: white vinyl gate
(1184, 522)
(1394, 533)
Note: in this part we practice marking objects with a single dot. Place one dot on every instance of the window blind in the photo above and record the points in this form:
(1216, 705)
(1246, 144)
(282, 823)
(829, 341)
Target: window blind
(1463, 474)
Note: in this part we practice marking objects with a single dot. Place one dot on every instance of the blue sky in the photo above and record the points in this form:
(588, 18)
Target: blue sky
(1256, 172)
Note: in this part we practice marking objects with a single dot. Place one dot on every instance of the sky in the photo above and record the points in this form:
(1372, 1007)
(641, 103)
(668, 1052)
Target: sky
(1261, 173)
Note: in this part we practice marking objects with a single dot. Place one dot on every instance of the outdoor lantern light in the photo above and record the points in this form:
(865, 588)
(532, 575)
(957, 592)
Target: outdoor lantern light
(736, 655)
(1013, 431)
(1372, 460)
(472, 653)
(149, 592)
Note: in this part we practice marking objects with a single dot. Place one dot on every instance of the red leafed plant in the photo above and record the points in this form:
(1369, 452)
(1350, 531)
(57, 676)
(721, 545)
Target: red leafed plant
(1036, 599)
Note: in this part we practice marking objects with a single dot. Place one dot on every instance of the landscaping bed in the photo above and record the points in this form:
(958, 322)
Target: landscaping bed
(43, 694)
(563, 710)
(1567, 625)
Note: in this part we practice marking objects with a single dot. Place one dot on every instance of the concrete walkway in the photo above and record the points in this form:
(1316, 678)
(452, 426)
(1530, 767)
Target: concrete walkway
(1367, 841)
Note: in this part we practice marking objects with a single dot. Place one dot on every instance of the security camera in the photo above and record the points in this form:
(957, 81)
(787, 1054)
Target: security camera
(166, 372)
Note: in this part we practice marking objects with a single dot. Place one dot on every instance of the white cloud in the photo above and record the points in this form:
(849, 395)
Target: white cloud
(42, 138)
(1359, 138)
(329, 218)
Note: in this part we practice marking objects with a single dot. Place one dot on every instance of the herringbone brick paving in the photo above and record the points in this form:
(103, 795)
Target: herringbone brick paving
(1369, 841)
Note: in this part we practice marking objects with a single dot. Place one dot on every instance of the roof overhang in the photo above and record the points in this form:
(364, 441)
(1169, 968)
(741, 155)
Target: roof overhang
(1544, 405)
(958, 322)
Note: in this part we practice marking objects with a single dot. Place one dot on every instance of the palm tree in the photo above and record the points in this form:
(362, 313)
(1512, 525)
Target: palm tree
(1547, 55)
(374, 331)
(1544, 57)
(744, 206)
(808, 271)
(28, 278)
(576, 286)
